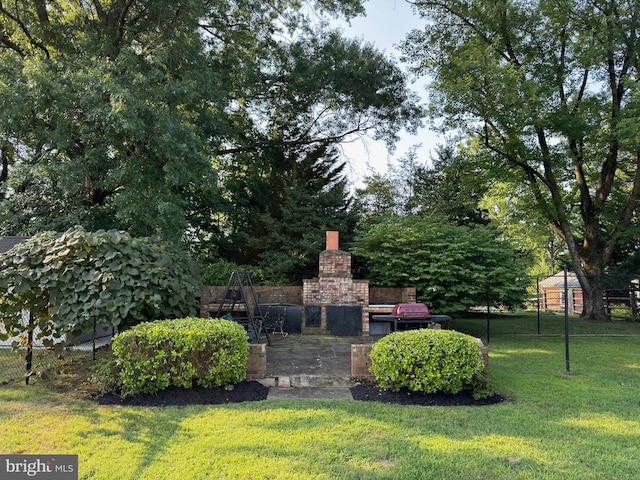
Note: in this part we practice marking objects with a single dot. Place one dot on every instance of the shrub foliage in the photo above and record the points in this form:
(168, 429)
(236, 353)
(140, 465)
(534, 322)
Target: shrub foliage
(427, 361)
(155, 355)
(451, 266)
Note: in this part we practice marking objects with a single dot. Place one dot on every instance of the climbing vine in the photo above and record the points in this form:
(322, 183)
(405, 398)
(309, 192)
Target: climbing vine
(67, 281)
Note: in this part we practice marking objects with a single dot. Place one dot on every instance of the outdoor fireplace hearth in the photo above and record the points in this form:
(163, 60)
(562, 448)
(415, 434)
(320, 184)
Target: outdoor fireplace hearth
(335, 303)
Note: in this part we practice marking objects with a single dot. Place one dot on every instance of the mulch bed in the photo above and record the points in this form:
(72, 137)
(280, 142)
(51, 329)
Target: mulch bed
(252, 391)
(371, 392)
(247, 391)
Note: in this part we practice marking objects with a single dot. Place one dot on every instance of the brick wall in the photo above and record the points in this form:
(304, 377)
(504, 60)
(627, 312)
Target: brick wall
(257, 361)
(211, 295)
(361, 360)
(391, 295)
(335, 286)
(335, 291)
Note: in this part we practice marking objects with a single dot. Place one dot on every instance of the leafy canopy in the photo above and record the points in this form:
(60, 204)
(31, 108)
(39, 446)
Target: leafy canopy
(140, 115)
(546, 92)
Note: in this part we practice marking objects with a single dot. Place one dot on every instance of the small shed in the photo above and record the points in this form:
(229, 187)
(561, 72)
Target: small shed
(552, 293)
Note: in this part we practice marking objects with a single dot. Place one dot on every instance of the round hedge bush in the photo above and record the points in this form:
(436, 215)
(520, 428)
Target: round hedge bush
(427, 361)
(154, 355)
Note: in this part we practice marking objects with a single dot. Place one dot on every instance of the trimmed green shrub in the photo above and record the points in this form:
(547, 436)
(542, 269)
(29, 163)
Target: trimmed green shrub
(427, 361)
(152, 356)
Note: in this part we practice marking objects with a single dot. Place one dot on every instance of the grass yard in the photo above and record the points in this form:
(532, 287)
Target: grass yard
(555, 426)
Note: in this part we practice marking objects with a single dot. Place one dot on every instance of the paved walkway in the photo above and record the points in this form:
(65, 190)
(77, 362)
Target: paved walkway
(311, 366)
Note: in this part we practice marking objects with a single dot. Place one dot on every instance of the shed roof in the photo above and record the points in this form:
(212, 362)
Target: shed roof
(557, 281)
(7, 243)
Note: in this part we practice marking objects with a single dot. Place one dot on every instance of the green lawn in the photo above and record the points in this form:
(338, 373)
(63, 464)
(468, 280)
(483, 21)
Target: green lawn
(555, 426)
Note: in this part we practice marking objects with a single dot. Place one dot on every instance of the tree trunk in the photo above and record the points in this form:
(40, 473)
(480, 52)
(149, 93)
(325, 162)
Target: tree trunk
(587, 262)
(4, 169)
(593, 299)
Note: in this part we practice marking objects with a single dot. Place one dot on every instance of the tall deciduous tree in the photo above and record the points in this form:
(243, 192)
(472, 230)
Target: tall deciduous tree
(106, 106)
(450, 189)
(119, 114)
(508, 208)
(398, 191)
(442, 188)
(549, 89)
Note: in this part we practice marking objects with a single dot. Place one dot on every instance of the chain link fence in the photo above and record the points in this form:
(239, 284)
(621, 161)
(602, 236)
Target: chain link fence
(21, 364)
(554, 307)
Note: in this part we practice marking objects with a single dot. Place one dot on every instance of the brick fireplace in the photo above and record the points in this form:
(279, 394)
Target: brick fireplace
(334, 303)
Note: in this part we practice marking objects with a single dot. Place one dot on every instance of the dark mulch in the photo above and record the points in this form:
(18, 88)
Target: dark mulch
(248, 391)
(252, 391)
(371, 392)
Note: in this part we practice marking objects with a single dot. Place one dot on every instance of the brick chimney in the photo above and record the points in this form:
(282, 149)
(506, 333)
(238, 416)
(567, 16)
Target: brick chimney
(333, 240)
(333, 261)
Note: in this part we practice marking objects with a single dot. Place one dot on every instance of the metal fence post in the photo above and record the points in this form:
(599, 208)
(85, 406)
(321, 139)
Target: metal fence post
(29, 357)
(566, 319)
(93, 340)
(538, 301)
(488, 311)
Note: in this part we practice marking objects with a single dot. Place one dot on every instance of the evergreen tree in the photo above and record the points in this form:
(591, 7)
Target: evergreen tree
(287, 206)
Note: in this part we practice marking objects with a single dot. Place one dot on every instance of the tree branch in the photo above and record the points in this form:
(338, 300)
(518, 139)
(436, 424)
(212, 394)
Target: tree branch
(617, 89)
(102, 15)
(41, 11)
(301, 141)
(446, 6)
(8, 43)
(24, 29)
(628, 212)
(4, 157)
(122, 21)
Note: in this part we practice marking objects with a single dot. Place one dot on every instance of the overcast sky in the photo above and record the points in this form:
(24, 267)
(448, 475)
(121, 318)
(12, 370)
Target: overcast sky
(386, 24)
